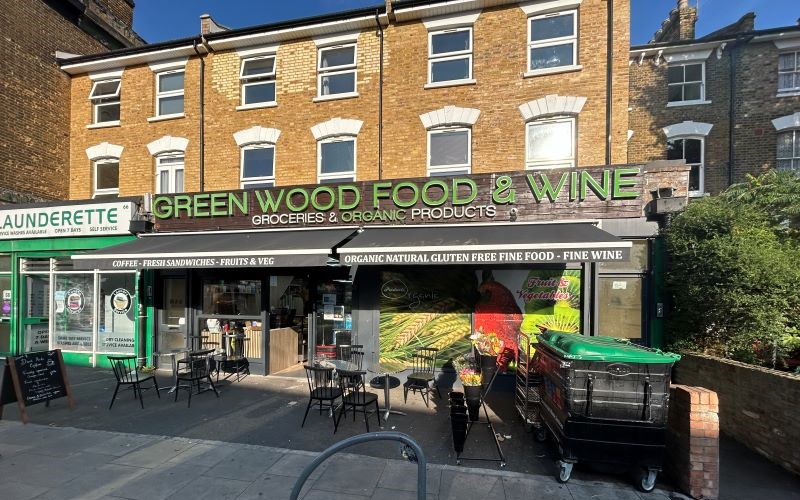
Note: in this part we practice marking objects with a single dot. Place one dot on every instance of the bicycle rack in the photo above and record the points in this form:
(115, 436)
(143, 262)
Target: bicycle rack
(411, 451)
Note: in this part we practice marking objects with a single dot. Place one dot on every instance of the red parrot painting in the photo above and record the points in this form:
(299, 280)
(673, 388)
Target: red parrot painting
(497, 311)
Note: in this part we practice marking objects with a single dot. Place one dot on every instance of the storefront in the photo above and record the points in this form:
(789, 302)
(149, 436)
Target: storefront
(46, 302)
(401, 263)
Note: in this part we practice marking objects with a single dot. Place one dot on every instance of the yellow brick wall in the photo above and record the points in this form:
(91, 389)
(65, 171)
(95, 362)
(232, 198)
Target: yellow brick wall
(498, 138)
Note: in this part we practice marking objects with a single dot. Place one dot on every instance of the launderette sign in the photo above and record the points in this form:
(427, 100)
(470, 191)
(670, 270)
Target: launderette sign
(95, 219)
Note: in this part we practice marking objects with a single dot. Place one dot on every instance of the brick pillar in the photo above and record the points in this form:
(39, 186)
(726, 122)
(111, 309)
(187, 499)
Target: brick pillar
(693, 441)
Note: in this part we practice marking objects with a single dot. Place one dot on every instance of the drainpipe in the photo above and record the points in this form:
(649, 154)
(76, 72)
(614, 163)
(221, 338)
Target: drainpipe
(202, 111)
(740, 41)
(380, 97)
(609, 75)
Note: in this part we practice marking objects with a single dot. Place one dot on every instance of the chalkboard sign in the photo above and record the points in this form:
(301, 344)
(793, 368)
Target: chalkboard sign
(32, 378)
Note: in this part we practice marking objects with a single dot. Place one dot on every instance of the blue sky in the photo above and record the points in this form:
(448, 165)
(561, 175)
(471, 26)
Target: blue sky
(159, 20)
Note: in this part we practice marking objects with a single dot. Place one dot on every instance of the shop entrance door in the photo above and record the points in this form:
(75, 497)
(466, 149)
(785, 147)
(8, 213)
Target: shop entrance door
(288, 321)
(333, 318)
(35, 307)
(172, 312)
(5, 313)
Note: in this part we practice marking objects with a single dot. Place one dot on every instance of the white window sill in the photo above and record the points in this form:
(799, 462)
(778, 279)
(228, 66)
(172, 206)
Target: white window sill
(552, 71)
(334, 97)
(697, 194)
(104, 124)
(449, 83)
(166, 117)
(260, 105)
(114, 192)
(788, 93)
(678, 104)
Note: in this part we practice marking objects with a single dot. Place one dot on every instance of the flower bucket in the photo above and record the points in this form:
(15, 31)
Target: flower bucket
(488, 366)
(472, 395)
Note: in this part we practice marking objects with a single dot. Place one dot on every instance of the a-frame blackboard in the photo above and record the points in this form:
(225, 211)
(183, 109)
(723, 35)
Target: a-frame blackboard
(33, 378)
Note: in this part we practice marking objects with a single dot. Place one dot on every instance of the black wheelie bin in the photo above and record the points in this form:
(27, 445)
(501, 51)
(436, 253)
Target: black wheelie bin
(605, 400)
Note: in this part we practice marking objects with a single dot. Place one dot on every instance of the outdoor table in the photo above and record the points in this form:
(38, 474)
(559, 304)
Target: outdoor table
(197, 341)
(387, 369)
(339, 364)
(173, 358)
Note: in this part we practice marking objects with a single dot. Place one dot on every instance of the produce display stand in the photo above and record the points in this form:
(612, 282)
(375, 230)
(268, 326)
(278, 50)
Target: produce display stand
(605, 401)
(527, 387)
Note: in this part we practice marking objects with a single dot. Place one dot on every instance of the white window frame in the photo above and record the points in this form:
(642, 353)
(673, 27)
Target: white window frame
(796, 71)
(532, 164)
(684, 102)
(794, 159)
(170, 93)
(701, 167)
(249, 81)
(460, 167)
(108, 191)
(336, 175)
(105, 100)
(337, 70)
(245, 182)
(172, 168)
(449, 56)
(562, 40)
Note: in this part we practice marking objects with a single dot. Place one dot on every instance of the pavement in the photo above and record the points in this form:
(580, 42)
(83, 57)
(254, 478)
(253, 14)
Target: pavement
(249, 444)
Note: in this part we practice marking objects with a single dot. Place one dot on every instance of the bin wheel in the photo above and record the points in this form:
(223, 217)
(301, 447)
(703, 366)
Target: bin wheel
(564, 471)
(541, 435)
(647, 480)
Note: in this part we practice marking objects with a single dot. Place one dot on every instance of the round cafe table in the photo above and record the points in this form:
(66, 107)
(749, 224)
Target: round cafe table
(385, 370)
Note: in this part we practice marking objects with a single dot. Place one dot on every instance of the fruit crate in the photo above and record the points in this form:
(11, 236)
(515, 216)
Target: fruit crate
(527, 397)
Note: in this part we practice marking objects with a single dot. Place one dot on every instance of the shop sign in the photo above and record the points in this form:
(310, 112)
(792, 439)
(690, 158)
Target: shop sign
(481, 257)
(255, 260)
(93, 219)
(75, 300)
(521, 196)
(120, 301)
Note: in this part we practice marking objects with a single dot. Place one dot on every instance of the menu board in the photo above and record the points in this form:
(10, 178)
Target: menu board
(33, 378)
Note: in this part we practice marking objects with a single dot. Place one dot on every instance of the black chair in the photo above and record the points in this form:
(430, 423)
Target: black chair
(343, 351)
(357, 358)
(321, 388)
(235, 360)
(355, 395)
(196, 371)
(423, 374)
(126, 374)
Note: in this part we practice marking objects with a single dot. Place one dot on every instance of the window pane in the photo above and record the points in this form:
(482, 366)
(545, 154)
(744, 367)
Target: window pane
(170, 81)
(163, 182)
(551, 57)
(639, 261)
(692, 92)
(337, 157)
(675, 74)
(785, 164)
(170, 105)
(107, 113)
(694, 178)
(337, 180)
(675, 150)
(450, 42)
(621, 307)
(337, 57)
(786, 61)
(107, 176)
(785, 145)
(694, 72)
(693, 151)
(262, 92)
(179, 181)
(550, 141)
(450, 148)
(115, 329)
(258, 162)
(675, 93)
(256, 67)
(448, 173)
(444, 71)
(552, 27)
(170, 160)
(106, 89)
(258, 185)
(234, 297)
(338, 84)
(5, 263)
(74, 311)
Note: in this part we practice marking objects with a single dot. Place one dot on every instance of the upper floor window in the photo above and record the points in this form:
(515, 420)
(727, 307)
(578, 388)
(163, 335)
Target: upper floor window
(789, 72)
(789, 150)
(169, 93)
(258, 166)
(553, 40)
(258, 80)
(450, 55)
(550, 143)
(336, 160)
(106, 178)
(336, 68)
(690, 150)
(169, 173)
(105, 101)
(449, 151)
(686, 82)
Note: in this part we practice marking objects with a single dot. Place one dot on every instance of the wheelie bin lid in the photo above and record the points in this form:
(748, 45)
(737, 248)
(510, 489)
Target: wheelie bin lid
(600, 348)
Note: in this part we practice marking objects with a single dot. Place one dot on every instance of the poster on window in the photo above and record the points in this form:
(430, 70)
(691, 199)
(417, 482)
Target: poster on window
(37, 338)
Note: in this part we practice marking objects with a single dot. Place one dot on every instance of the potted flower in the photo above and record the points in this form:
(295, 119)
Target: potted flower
(470, 378)
(489, 346)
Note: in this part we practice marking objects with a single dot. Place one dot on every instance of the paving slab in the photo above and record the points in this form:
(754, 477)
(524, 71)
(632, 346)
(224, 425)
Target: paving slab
(13, 490)
(292, 464)
(351, 475)
(211, 488)
(460, 485)
(155, 453)
(96, 483)
(208, 454)
(271, 486)
(403, 476)
(517, 488)
(389, 494)
(161, 483)
(245, 464)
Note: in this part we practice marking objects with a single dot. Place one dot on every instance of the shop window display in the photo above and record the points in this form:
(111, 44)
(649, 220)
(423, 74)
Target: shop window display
(117, 316)
(74, 312)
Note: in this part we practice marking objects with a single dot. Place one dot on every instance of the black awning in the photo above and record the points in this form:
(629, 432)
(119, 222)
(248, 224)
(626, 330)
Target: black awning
(299, 248)
(484, 244)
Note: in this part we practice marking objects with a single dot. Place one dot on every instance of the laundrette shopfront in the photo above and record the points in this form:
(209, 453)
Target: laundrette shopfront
(401, 263)
(46, 303)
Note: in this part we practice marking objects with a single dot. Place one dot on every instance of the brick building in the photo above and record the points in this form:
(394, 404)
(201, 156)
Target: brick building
(34, 131)
(726, 102)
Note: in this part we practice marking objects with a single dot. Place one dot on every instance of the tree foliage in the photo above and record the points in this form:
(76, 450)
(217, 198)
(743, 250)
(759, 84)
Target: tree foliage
(734, 272)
